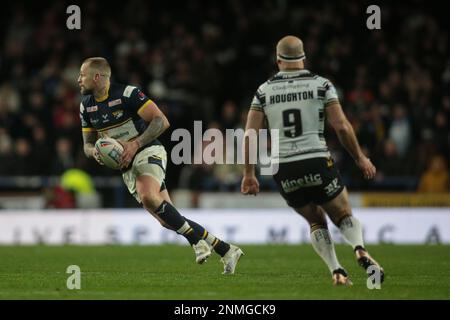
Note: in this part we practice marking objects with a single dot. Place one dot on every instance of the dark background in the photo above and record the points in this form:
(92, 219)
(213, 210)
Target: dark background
(203, 60)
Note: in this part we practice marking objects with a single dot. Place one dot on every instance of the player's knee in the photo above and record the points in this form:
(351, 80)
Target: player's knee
(151, 202)
(340, 216)
(316, 226)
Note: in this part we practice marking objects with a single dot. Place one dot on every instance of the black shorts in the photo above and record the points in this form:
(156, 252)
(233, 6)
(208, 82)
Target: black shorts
(314, 180)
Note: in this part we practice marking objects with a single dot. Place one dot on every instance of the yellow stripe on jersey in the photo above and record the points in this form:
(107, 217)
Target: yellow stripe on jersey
(144, 105)
(87, 129)
(114, 125)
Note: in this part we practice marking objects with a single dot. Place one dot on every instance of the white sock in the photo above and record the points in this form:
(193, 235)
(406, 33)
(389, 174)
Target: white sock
(351, 230)
(323, 245)
(185, 227)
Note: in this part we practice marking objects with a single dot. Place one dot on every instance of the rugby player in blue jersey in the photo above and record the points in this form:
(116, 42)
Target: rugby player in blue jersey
(125, 113)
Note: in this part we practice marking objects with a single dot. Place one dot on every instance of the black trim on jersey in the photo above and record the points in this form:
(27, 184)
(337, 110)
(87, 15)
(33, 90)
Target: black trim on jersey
(151, 143)
(315, 150)
(158, 162)
(292, 79)
(284, 77)
(321, 93)
(331, 101)
(321, 115)
(261, 98)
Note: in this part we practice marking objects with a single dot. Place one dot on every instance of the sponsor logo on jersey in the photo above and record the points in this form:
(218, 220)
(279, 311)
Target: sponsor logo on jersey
(141, 95)
(105, 118)
(92, 109)
(309, 180)
(282, 87)
(114, 102)
(118, 114)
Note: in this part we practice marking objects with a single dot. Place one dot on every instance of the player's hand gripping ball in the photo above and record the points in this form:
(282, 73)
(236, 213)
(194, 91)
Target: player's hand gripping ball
(110, 152)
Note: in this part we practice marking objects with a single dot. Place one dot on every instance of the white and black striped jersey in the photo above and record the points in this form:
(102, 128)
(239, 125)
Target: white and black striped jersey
(294, 102)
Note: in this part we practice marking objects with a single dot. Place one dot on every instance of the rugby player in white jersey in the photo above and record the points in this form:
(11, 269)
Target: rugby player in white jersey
(297, 102)
(125, 113)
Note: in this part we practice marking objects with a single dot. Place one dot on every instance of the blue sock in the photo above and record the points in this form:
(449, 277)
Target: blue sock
(177, 222)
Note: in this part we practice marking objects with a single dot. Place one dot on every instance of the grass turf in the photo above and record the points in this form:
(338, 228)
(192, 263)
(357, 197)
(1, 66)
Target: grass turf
(265, 272)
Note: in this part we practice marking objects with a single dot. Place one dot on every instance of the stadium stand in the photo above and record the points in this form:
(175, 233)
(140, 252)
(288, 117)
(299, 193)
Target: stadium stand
(204, 61)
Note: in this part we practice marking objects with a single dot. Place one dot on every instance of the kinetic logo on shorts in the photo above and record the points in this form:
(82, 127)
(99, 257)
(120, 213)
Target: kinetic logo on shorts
(309, 180)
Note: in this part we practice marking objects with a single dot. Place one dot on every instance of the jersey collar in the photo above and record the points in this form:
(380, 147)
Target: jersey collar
(293, 71)
(103, 98)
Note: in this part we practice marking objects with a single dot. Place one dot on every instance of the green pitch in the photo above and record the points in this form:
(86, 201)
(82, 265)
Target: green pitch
(265, 272)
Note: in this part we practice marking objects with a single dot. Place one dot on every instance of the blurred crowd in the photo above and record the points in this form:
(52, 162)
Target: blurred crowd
(203, 60)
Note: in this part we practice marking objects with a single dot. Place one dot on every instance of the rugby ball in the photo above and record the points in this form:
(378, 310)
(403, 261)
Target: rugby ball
(110, 151)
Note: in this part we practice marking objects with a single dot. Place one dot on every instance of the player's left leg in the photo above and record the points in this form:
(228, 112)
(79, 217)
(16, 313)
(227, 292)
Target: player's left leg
(322, 242)
(147, 188)
(144, 180)
(230, 253)
(339, 211)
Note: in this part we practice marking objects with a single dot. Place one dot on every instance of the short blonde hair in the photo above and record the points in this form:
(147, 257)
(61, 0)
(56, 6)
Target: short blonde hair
(99, 64)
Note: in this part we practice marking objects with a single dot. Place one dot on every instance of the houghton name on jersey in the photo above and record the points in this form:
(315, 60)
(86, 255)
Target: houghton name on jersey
(294, 103)
(116, 115)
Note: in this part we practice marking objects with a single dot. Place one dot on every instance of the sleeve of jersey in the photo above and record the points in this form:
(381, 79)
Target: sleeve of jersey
(85, 123)
(258, 101)
(331, 95)
(138, 101)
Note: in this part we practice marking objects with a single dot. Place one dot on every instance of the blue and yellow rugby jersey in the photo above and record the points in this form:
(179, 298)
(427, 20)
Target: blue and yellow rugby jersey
(116, 114)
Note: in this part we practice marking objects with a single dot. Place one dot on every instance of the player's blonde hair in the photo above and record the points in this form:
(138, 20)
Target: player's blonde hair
(99, 64)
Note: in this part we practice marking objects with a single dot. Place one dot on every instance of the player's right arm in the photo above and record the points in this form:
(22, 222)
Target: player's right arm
(255, 122)
(347, 137)
(89, 136)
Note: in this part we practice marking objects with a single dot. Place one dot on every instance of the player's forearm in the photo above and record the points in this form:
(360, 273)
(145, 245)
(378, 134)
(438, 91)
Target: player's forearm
(156, 127)
(89, 139)
(88, 149)
(348, 139)
(249, 169)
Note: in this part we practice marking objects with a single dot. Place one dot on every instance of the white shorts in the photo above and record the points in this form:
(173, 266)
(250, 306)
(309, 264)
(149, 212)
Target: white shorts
(152, 161)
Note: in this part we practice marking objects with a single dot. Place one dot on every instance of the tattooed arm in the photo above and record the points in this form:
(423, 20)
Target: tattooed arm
(156, 127)
(158, 123)
(89, 138)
